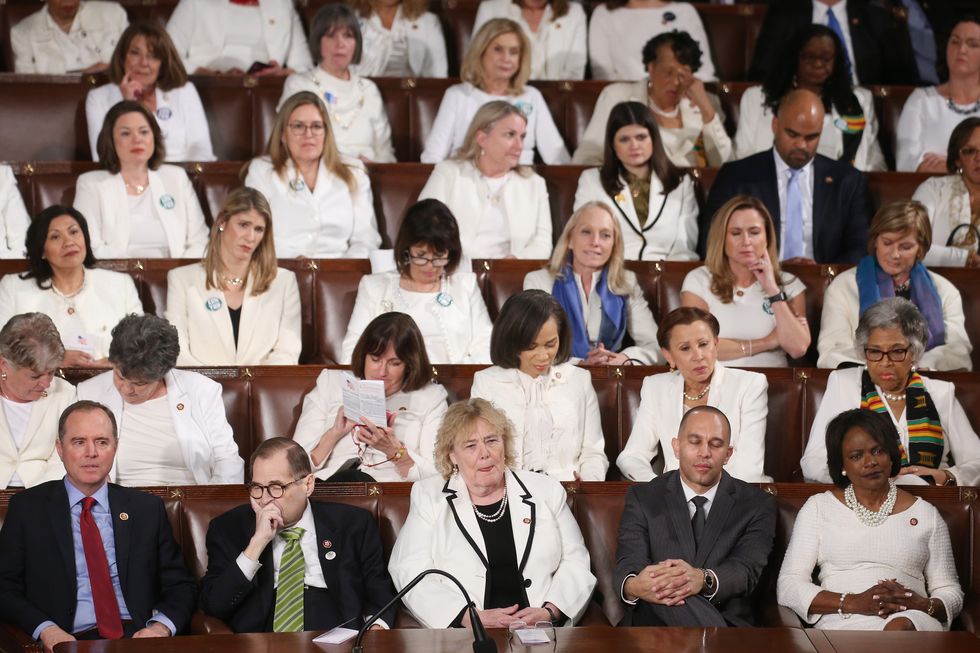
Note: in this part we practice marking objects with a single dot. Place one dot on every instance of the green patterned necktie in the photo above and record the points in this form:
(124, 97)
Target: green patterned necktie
(289, 595)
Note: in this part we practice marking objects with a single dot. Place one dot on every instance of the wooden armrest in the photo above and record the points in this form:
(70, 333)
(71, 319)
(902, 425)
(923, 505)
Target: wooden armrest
(774, 615)
(969, 617)
(15, 640)
(202, 624)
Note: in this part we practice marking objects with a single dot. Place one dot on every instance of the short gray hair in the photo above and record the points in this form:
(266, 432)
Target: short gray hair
(144, 347)
(32, 340)
(894, 313)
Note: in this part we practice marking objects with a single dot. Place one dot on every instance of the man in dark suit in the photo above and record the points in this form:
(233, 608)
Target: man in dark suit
(693, 542)
(86, 559)
(284, 563)
(828, 221)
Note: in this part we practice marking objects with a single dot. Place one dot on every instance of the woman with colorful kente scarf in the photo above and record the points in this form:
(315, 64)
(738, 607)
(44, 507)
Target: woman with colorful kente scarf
(937, 443)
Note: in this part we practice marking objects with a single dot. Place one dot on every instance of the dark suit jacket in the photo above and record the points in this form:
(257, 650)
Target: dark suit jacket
(841, 203)
(738, 536)
(37, 563)
(357, 578)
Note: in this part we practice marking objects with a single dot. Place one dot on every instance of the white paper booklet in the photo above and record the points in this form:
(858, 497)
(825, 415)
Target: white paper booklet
(364, 399)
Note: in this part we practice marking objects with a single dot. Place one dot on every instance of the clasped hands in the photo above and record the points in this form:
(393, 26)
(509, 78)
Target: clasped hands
(666, 583)
(884, 599)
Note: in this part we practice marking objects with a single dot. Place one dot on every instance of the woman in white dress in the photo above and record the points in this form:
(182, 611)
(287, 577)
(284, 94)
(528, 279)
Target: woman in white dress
(556, 30)
(322, 200)
(444, 301)
(689, 338)
(501, 205)
(67, 36)
(138, 206)
(236, 307)
(865, 530)
(496, 66)
(351, 447)
(603, 301)
(13, 216)
(83, 301)
(654, 201)
(358, 120)
(146, 68)
(549, 400)
(761, 310)
(401, 39)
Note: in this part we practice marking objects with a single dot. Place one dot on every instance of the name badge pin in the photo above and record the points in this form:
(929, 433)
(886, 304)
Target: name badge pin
(330, 555)
(213, 304)
(168, 202)
(164, 113)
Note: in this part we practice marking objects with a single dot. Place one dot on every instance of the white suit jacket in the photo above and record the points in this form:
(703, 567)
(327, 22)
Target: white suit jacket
(948, 202)
(269, 331)
(101, 198)
(673, 237)
(418, 416)
(740, 394)
(424, 40)
(844, 393)
(36, 46)
(13, 216)
(199, 29)
(441, 531)
(523, 200)
(36, 461)
(839, 320)
(198, 414)
(576, 443)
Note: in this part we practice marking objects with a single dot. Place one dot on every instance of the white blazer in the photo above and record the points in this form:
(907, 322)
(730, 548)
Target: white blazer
(740, 394)
(575, 444)
(101, 197)
(961, 444)
(269, 331)
(37, 460)
(105, 298)
(948, 202)
(198, 414)
(13, 216)
(424, 40)
(673, 237)
(523, 200)
(442, 531)
(839, 319)
(37, 41)
(465, 324)
(199, 29)
(418, 415)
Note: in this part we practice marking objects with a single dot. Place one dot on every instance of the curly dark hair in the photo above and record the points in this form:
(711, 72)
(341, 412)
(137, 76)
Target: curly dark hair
(877, 425)
(144, 347)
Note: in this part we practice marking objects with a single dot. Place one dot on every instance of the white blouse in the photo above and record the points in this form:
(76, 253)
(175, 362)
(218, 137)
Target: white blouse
(13, 216)
(150, 454)
(413, 47)
(948, 202)
(925, 126)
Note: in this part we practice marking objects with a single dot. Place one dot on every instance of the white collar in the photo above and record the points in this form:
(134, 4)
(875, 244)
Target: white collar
(690, 494)
(782, 167)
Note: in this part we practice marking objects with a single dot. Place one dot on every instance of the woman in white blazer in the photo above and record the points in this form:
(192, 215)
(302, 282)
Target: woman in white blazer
(556, 30)
(444, 302)
(549, 400)
(146, 68)
(401, 39)
(482, 505)
(13, 216)
(603, 301)
(221, 36)
(139, 207)
(496, 67)
(352, 448)
(501, 206)
(236, 307)
(67, 37)
(83, 301)
(32, 398)
(689, 337)
(653, 200)
(172, 424)
(322, 201)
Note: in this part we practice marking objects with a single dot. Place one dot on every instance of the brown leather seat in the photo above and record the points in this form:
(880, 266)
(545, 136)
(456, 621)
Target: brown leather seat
(276, 400)
(333, 303)
(732, 32)
(889, 101)
(396, 186)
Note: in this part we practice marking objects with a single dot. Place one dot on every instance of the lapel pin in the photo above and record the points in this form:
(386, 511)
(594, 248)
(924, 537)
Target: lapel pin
(415, 26)
(180, 406)
(327, 544)
(527, 520)
(828, 180)
(913, 521)
(164, 113)
(330, 555)
(213, 304)
(124, 516)
(855, 21)
(168, 202)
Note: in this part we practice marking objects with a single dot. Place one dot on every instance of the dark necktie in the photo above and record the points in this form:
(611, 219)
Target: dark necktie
(699, 519)
(103, 595)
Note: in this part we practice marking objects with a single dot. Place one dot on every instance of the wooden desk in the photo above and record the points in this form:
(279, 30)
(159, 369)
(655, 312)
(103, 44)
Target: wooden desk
(855, 641)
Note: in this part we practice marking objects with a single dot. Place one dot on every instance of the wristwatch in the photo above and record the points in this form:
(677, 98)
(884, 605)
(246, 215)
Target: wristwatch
(709, 582)
(950, 479)
(778, 297)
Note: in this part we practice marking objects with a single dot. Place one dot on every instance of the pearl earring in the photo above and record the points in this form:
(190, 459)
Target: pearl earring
(221, 229)
(843, 472)
(3, 376)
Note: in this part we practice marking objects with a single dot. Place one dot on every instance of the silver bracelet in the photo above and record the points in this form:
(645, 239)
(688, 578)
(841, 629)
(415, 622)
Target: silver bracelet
(840, 606)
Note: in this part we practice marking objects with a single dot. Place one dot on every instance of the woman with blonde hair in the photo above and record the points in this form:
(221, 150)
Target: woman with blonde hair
(321, 198)
(496, 66)
(401, 39)
(236, 307)
(761, 310)
(603, 301)
(501, 205)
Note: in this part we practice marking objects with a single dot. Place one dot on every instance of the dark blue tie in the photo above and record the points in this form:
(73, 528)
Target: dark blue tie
(833, 24)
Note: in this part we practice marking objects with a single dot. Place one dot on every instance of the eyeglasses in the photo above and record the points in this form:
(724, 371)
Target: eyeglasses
(969, 152)
(816, 59)
(956, 42)
(894, 355)
(275, 490)
(437, 262)
(300, 128)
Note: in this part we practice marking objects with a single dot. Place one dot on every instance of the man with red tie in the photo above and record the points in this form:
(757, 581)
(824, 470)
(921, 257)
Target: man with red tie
(86, 559)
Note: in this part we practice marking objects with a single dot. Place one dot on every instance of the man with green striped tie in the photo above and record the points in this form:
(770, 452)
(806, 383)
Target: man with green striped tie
(285, 563)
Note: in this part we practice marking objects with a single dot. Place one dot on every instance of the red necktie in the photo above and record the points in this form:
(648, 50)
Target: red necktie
(103, 596)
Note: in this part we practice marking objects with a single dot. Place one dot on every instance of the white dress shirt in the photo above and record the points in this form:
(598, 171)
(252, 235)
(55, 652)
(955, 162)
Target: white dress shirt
(806, 196)
(690, 494)
(313, 575)
(840, 13)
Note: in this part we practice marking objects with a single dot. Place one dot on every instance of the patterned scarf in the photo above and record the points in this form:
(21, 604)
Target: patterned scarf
(874, 284)
(926, 437)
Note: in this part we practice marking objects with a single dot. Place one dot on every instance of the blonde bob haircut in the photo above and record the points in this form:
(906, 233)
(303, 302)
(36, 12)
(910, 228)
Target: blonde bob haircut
(411, 9)
(484, 121)
(262, 267)
(458, 424)
(279, 153)
(716, 260)
(616, 279)
(472, 69)
(902, 216)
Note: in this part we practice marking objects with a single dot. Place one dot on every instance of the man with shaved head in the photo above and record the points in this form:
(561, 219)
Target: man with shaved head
(820, 207)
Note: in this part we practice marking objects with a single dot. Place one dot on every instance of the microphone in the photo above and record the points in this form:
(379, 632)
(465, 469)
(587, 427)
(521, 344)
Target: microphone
(482, 643)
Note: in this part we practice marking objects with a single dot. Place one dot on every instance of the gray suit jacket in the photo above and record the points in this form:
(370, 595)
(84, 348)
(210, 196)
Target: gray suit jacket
(737, 539)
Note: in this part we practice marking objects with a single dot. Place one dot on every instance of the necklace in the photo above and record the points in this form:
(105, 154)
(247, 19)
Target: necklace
(902, 287)
(497, 514)
(234, 283)
(68, 297)
(968, 110)
(891, 397)
(698, 396)
(666, 114)
(872, 517)
(136, 188)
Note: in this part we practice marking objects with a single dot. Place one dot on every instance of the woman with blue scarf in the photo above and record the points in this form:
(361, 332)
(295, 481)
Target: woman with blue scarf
(899, 238)
(604, 303)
